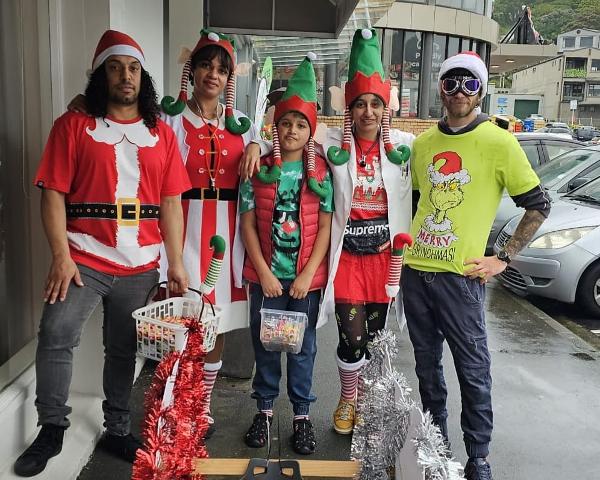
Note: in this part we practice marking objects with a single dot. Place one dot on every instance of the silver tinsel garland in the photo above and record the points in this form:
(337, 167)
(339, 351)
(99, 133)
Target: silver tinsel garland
(383, 419)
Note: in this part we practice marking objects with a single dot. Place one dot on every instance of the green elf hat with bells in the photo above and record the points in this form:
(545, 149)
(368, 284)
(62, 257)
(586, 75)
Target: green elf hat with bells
(300, 96)
(174, 107)
(365, 75)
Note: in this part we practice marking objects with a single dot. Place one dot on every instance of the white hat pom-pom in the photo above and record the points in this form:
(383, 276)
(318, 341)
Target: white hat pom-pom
(312, 56)
(366, 33)
(213, 37)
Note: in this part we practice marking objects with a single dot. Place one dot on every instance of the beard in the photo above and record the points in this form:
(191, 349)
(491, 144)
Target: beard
(120, 98)
(460, 110)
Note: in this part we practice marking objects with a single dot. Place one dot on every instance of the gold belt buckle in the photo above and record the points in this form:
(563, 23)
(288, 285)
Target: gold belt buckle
(128, 203)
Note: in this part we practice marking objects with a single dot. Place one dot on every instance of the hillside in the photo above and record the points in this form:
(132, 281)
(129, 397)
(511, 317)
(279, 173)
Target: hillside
(550, 17)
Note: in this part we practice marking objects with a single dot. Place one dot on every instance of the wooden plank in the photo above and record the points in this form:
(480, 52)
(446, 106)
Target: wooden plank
(308, 468)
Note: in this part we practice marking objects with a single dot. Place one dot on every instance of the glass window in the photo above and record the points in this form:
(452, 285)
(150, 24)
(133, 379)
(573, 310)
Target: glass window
(558, 148)
(532, 153)
(437, 57)
(411, 73)
(574, 90)
(551, 173)
(595, 65)
(568, 42)
(476, 6)
(586, 41)
(453, 46)
(594, 90)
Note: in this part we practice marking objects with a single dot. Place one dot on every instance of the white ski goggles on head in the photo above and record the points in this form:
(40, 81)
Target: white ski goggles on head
(469, 86)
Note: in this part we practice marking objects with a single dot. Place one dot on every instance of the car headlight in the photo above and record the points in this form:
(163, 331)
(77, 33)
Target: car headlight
(560, 238)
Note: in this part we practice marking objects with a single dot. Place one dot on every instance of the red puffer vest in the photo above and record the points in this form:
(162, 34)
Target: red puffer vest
(264, 199)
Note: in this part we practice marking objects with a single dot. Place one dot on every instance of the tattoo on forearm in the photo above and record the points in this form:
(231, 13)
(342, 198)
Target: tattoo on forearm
(525, 231)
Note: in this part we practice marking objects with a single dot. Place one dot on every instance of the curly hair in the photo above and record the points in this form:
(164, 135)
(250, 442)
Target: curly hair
(96, 97)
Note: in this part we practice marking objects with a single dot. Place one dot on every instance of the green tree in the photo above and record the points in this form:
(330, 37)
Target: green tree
(587, 15)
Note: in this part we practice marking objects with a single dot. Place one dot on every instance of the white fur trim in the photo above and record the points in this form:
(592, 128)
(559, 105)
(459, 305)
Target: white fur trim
(436, 177)
(312, 56)
(119, 50)
(434, 227)
(213, 37)
(366, 33)
(470, 62)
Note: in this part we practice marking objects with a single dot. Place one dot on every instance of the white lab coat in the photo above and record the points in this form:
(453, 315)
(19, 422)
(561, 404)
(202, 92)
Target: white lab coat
(398, 186)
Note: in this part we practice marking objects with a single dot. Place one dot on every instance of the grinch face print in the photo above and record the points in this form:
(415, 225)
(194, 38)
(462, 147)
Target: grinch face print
(447, 179)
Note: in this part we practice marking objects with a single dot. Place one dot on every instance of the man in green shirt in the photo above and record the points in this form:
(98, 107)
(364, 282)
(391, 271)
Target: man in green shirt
(460, 168)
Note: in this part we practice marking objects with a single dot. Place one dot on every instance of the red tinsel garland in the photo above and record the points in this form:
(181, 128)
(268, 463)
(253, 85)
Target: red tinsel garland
(181, 438)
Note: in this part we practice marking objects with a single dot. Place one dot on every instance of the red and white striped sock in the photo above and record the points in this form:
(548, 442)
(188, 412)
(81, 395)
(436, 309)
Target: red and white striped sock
(301, 417)
(211, 370)
(349, 378)
(268, 413)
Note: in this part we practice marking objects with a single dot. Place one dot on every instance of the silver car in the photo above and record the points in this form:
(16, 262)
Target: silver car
(558, 177)
(563, 260)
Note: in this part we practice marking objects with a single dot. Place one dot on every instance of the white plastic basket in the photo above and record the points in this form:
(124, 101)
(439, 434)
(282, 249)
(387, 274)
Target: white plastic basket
(156, 337)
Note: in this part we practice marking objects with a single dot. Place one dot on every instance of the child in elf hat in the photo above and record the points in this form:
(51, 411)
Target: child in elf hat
(286, 215)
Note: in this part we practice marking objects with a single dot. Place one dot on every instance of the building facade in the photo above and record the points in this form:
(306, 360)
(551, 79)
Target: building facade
(573, 75)
(418, 36)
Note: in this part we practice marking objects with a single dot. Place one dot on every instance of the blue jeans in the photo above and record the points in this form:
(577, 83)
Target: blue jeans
(268, 364)
(60, 330)
(447, 306)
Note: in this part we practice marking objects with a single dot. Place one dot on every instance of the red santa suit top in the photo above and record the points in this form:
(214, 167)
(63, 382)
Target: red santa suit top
(113, 174)
(211, 155)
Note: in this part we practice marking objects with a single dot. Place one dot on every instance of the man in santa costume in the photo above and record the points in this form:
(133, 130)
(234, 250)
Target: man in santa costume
(460, 168)
(110, 195)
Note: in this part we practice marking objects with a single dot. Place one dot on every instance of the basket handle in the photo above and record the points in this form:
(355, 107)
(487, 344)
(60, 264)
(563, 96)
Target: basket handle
(203, 297)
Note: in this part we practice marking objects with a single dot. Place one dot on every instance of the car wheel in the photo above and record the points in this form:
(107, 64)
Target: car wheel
(588, 291)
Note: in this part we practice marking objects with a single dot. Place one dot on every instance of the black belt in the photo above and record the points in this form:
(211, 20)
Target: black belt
(230, 194)
(127, 212)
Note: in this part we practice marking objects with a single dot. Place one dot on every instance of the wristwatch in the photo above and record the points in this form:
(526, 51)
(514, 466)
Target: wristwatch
(504, 256)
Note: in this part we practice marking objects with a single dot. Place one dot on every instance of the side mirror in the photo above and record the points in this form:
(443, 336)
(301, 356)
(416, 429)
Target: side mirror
(576, 183)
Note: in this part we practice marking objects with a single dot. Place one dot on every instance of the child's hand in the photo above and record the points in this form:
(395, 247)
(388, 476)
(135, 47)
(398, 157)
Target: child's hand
(271, 286)
(300, 286)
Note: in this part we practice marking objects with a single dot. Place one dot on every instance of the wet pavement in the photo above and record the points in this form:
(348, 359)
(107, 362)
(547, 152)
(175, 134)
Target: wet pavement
(546, 398)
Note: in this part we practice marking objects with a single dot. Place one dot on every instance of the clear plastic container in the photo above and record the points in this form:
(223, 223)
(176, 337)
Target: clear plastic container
(282, 331)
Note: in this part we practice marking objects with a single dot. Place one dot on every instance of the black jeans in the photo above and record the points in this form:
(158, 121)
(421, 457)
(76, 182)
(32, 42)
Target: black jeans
(447, 306)
(60, 329)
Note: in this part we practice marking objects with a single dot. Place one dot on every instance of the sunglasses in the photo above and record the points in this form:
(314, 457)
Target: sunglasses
(467, 85)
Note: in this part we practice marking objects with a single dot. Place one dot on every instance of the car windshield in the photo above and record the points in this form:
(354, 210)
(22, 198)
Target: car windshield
(551, 173)
(590, 192)
(558, 130)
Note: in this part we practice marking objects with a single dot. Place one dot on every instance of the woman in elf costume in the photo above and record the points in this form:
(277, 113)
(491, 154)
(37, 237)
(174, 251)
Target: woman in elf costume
(372, 196)
(212, 138)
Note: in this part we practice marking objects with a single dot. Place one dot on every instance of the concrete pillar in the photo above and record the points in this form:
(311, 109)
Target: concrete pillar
(425, 78)
(329, 80)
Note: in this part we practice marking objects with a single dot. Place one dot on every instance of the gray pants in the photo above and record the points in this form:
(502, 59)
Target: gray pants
(60, 330)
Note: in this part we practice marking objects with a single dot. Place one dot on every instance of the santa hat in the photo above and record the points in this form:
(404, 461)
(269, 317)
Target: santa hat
(469, 61)
(450, 170)
(116, 43)
(300, 96)
(175, 107)
(365, 75)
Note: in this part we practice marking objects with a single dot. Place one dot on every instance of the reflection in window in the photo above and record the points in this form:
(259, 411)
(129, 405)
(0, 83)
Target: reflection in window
(453, 46)
(411, 72)
(438, 56)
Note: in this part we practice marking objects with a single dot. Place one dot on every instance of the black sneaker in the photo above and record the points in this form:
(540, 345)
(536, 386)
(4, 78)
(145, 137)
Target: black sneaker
(304, 437)
(47, 444)
(478, 469)
(258, 433)
(122, 446)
